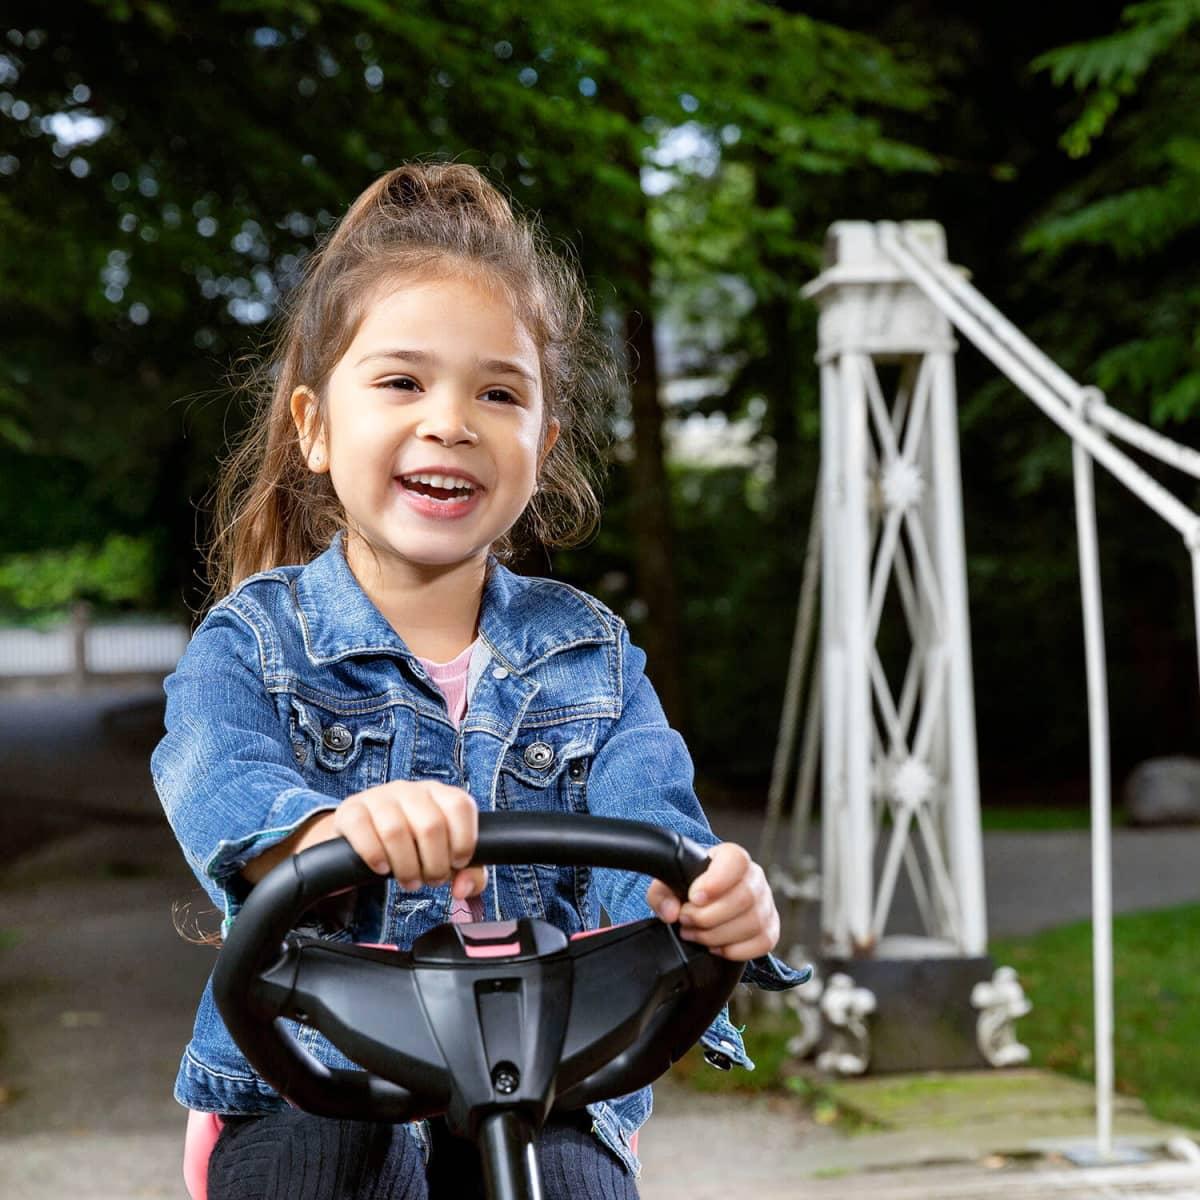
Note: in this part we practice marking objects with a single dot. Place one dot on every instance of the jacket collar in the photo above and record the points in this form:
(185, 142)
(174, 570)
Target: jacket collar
(522, 620)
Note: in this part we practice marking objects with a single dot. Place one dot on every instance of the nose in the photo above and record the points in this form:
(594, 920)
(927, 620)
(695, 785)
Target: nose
(446, 419)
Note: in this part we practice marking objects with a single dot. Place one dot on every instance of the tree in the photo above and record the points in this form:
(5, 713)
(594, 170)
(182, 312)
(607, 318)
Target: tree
(167, 169)
(1139, 125)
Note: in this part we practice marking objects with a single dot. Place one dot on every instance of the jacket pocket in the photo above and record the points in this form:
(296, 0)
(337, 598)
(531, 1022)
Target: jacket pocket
(340, 753)
(546, 770)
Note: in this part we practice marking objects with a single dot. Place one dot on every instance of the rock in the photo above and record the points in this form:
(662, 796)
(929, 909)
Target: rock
(1164, 791)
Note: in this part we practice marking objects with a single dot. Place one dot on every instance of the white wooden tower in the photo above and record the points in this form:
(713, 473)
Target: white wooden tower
(900, 780)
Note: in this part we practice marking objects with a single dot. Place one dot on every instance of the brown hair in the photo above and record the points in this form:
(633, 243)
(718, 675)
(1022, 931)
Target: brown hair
(417, 221)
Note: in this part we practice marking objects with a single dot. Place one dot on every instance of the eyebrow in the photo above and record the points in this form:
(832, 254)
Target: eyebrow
(498, 366)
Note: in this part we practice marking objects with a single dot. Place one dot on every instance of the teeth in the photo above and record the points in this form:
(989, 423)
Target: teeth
(440, 481)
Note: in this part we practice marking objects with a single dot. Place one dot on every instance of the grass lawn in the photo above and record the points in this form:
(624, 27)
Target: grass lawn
(1018, 818)
(1156, 997)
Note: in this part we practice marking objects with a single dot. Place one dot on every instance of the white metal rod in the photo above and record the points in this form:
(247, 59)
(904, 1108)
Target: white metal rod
(1097, 691)
(882, 570)
(909, 375)
(911, 691)
(834, 927)
(906, 588)
(855, 557)
(802, 801)
(925, 905)
(1183, 458)
(889, 447)
(933, 694)
(1196, 594)
(915, 429)
(887, 706)
(926, 572)
(943, 885)
(1099, 411)
(833, 658)
(901, 820)
(802, 637)
(1172, 510)
(953, 282)
(962, 810)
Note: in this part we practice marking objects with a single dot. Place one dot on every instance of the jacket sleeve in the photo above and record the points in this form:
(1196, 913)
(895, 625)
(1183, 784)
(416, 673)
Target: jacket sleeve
(224, 771)
(643, 771)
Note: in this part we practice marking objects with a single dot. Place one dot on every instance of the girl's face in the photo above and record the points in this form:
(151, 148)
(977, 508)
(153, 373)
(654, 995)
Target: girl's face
(432, 429)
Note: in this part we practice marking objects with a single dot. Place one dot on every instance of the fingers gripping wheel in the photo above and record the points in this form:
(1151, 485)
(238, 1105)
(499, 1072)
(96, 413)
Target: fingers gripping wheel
(474, 1020)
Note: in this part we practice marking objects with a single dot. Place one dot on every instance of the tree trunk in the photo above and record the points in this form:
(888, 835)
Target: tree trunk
(661, 635)
(651, 515)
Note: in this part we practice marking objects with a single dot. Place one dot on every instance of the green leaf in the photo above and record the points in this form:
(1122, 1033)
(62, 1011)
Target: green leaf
(1180, 402)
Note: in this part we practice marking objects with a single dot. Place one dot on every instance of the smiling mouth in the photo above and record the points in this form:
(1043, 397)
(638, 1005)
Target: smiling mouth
(438, 487)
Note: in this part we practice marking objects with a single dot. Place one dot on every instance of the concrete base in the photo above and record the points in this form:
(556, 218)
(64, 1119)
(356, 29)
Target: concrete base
(923, 1020)
(1087, 1154)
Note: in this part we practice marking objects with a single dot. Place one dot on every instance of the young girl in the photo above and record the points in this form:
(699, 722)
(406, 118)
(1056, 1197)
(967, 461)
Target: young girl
(375, 673)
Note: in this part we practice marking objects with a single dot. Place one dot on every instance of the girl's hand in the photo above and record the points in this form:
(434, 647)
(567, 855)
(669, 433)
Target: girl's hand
(419, 832)
(729, 907)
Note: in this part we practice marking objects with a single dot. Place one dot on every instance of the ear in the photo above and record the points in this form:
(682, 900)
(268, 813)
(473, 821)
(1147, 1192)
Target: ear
(311, 429)
(553, 428)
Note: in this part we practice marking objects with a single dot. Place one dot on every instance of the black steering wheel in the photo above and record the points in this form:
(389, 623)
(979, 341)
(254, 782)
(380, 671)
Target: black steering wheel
(494, 1023)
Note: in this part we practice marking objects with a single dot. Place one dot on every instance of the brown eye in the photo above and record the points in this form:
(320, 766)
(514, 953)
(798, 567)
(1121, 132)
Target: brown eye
(500, 394)
(401, 383)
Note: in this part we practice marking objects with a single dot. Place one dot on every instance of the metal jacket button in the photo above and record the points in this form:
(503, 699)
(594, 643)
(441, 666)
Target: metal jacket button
(715, 1058)
(538, 755)
(337, 737)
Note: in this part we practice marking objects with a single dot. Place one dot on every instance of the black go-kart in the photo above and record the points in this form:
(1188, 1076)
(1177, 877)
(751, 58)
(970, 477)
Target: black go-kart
(493, 1024)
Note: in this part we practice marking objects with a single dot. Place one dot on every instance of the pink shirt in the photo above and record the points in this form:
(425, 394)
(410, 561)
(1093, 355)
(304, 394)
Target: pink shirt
(451, 677)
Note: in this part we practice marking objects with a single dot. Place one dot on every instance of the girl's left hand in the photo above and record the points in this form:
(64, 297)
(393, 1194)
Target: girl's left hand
(729, 908)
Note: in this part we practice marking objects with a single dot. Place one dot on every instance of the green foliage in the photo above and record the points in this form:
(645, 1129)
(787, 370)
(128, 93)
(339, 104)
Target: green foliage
(739, 613)
(1156, 997)
(1140, 129)
(1112, 67)
(692, 155)
(193, 154)
(672, 145)
(118, 572)
(1133, 224)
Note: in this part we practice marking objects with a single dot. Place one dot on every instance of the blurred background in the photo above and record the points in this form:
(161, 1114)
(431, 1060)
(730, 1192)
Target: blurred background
(164, 170)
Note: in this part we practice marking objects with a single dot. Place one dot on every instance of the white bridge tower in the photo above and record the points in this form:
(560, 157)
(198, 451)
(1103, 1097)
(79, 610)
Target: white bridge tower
(890, 714)
(900, 779)
(891, 700)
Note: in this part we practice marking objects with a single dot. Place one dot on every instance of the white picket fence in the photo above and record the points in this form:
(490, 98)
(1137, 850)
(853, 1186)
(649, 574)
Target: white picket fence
(78, 650)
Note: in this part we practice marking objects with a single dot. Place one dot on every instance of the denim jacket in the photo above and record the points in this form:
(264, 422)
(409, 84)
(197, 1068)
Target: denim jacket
(296, 693)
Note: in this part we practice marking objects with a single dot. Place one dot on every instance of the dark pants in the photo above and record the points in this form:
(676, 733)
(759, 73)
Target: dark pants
(294, 1156)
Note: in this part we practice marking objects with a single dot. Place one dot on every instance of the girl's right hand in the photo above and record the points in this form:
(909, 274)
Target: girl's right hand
(418, 832)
